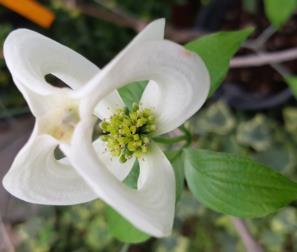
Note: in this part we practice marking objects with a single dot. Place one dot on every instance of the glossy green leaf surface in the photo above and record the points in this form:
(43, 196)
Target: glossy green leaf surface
(216, 50)
(122, 229)
(278, 12)
(236, 185)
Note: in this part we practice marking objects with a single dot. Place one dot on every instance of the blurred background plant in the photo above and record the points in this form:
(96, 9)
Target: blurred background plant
(253, 113)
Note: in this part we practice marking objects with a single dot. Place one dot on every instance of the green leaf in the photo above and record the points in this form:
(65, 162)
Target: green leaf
(292, 82)
(177, 161)
(278, 12)
(118, 226)
(236, 185)
(217, 118)
(255, 133)
(216, 50)
(250, 6)
(131, 93)
(290, 118)
(122, 229)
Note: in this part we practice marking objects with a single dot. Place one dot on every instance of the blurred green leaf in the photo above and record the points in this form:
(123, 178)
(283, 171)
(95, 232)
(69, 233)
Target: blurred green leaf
(290, 118)
(255, 133)
(235, 185)
(97, 235)
(173, 243)
(274, 242)
(5, 29)
(215, 119)
(216, 50)
(278, 12)
(285, 221)
(122, 229)
(292, 82)
(131, 93)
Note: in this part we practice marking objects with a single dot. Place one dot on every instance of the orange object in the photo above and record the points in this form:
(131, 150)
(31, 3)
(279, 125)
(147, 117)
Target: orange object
(31, 10)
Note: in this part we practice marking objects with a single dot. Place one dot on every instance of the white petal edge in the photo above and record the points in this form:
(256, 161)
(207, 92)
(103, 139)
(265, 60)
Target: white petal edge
(152, 32)
(30, 56)
(108, 105)
(37, 177)
(151, 207)
(180, 95)
(119, 170)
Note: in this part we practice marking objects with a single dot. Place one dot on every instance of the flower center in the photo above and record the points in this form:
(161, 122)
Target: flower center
(61, 122)
(128, 133)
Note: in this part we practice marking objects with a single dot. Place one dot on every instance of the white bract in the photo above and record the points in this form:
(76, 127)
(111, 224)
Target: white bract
(178, 86)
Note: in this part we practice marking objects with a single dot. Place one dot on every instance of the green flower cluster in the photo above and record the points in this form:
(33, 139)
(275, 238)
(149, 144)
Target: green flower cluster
(128, 133)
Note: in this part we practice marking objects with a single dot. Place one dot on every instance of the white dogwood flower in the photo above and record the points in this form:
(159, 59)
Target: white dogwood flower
(178, 86)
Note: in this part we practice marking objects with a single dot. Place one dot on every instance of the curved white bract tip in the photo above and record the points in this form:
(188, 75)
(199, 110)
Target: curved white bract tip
(30, 56)
(37, 177)
(118, 169)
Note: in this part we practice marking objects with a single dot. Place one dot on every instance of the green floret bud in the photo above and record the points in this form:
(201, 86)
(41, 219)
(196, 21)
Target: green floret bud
(123, 159)
(128, 134)
(104, 126)
(135, 107)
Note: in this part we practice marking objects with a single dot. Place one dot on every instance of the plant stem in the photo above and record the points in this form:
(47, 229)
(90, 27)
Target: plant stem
(125, 248)
(5, 242)
(248, 240)
(188, 135)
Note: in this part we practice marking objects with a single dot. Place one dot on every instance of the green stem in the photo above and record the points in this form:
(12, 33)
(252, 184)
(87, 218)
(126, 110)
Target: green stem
(176, 155)
(188, 136)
